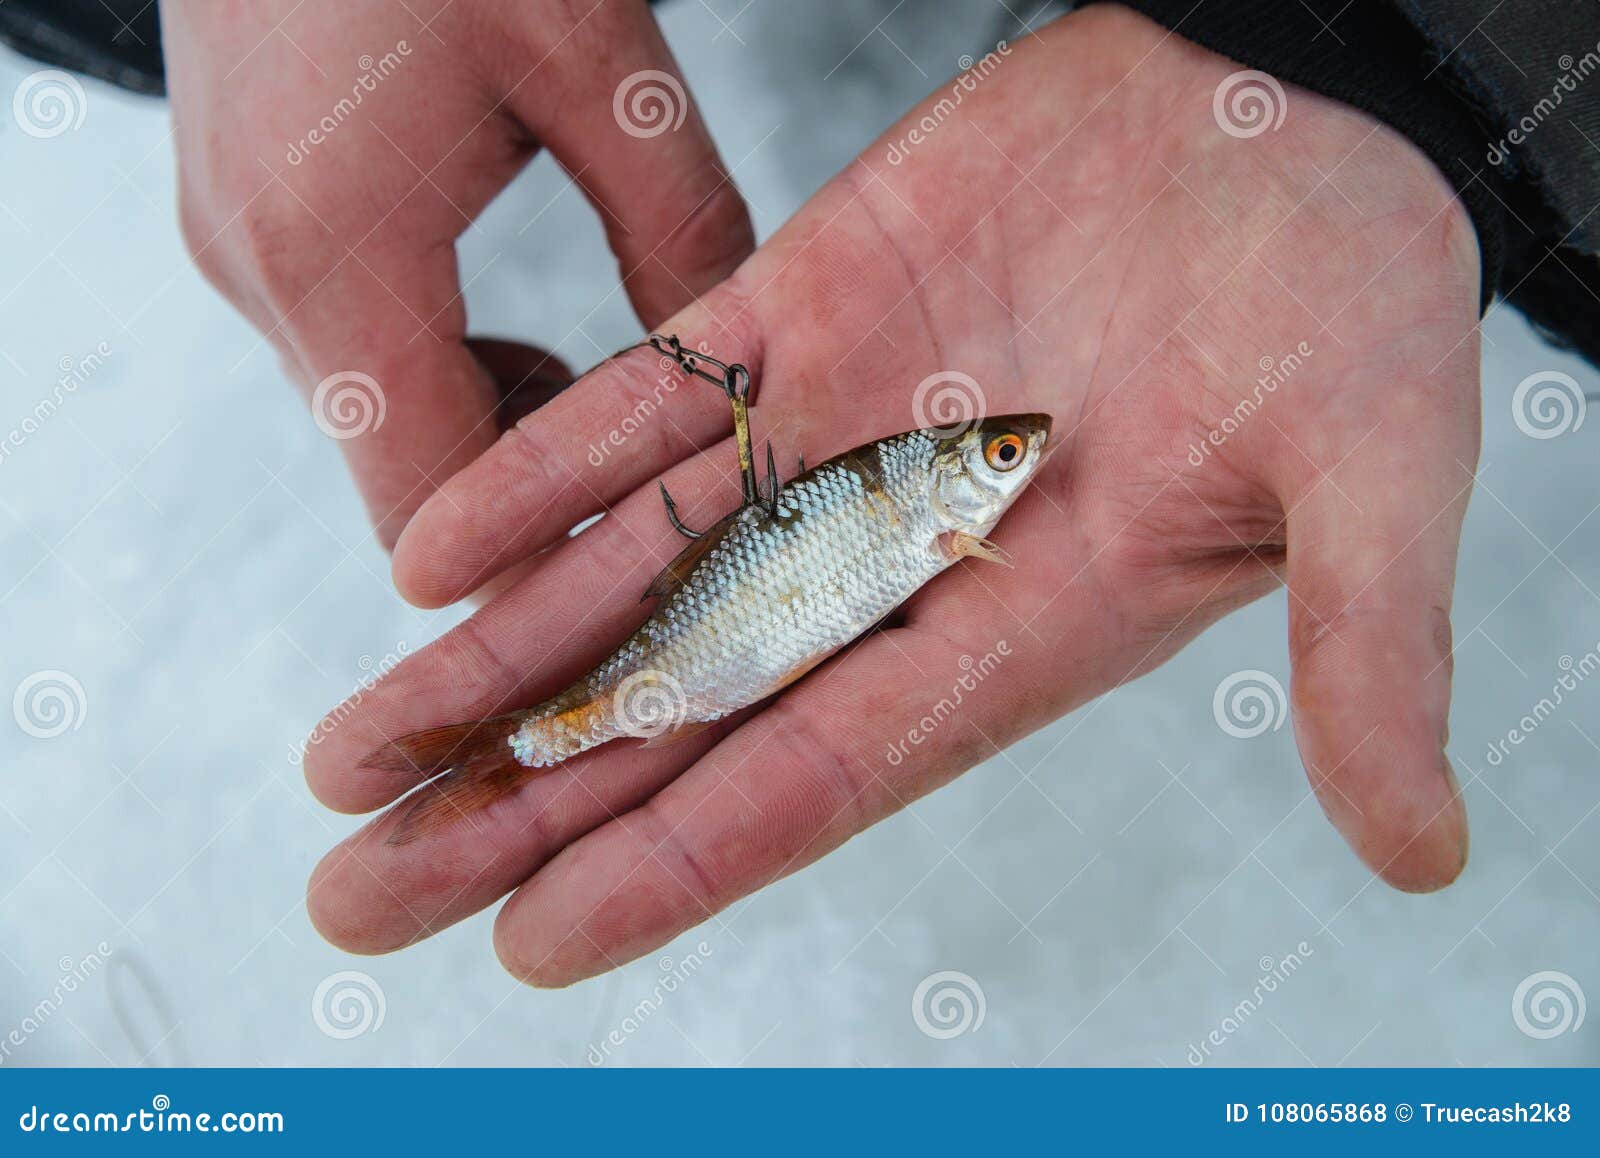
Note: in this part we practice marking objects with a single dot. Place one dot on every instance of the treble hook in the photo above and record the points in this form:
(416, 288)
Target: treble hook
(736, 383)
(672, 514)
(772, 482)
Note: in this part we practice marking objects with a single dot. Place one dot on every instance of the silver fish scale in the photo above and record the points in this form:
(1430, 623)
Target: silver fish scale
(773, 598)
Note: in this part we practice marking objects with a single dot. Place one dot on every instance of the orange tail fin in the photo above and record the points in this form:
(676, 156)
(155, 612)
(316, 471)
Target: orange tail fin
(478, 764)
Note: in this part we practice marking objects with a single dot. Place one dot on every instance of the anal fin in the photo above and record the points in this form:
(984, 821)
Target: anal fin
(681, 732)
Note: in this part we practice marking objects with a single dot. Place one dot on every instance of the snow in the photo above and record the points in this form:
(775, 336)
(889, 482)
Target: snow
(180, 540)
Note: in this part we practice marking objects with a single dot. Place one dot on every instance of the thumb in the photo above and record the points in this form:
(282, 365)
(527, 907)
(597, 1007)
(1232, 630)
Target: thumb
(612, 107)
(1372, 553)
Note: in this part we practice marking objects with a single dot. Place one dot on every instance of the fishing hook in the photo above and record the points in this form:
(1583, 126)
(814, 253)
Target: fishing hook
(672, 515)
(735, 380)
(772, 482)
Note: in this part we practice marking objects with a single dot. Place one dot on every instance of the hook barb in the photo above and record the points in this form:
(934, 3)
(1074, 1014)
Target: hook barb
(772, 482)
(672, 514)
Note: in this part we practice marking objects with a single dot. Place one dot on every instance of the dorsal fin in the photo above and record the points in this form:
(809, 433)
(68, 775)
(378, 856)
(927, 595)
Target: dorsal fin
(675, 572)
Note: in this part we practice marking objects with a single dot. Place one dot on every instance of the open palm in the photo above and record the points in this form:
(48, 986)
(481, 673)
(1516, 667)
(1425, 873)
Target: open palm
(1258, 349)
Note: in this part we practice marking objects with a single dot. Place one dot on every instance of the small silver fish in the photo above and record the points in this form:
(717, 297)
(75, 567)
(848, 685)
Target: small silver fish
(750, 607)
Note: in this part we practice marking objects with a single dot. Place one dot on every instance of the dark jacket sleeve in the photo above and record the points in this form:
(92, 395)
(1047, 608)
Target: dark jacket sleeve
(113, 40)
(1503, 95)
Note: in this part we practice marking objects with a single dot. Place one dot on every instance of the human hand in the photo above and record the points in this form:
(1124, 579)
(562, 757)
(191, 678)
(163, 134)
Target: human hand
(1080, 236)
(331, 154)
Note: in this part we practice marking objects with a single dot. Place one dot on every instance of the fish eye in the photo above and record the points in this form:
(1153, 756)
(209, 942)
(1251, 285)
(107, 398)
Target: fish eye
(1003, 452)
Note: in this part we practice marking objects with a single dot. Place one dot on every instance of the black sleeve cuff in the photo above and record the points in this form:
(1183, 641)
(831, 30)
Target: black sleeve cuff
(118, 41)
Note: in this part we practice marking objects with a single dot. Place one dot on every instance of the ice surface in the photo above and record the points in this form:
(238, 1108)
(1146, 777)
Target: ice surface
(183, 542)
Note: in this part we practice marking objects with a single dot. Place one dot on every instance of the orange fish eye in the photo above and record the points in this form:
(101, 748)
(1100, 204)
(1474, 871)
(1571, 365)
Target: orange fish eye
(1003, 452)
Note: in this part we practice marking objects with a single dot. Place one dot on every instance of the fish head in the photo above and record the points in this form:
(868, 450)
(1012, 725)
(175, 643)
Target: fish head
(980, 471)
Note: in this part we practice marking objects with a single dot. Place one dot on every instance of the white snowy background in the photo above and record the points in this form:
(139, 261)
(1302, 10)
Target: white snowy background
(183, 542)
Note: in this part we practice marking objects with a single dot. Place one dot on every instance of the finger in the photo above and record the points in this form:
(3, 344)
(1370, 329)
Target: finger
(370, 896)
(345, 257)
(624, 127)
(525, 377)
(578, 601)
(836, 753)
(786, 788)
(1372, 555)
(616, 429)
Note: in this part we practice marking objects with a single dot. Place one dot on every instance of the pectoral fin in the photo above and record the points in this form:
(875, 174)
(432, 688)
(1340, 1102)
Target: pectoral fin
(960, 545)
(673, 735)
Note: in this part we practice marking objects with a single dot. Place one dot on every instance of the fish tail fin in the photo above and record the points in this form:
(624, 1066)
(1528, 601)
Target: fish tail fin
(460, 793)
(479, 767)
(432, 750)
